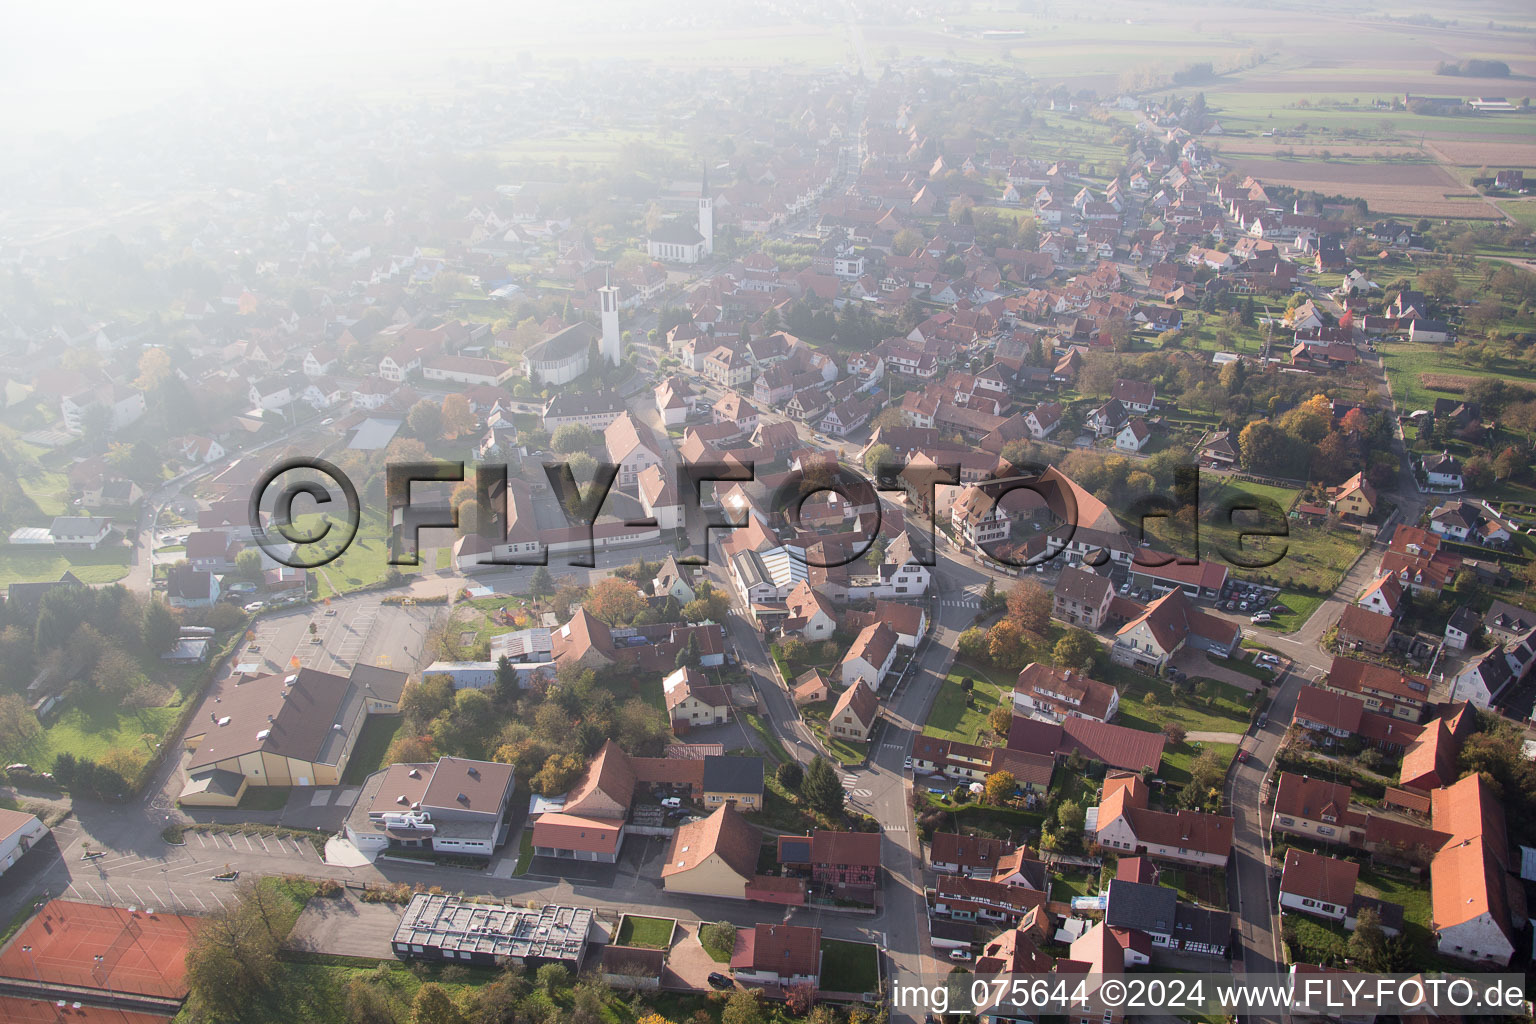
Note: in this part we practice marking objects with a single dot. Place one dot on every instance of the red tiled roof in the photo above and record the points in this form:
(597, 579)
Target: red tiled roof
(861, 848)
(1313, 876)
(967, 851)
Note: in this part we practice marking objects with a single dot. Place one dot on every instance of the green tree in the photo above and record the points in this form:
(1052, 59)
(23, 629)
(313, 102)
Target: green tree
(232, 960)
(1070, 817)
(1077, 649)
(425, 700)
(160, 627)
(790, 775)
(822, 789)
(718, 938)
(426, 420)
(972, 644)
(999, 787)
(551, 978)
(18, 726)
(1000, 719)
(572, 437)
(433, 1005)
(1367, 944)
(541, 583)
(743, 1007)
(506, 680)
(707, 604)
(248, 565)
(878, 455)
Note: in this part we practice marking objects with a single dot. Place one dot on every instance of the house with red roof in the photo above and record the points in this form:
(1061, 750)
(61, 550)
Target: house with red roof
(1053, 694)
(1475, 902)
(950, 853)
(777, 954)
(1365, 629)
(1125, 823)
(1316, 809)
(855, 713)
(1150, 641)
(1318, 885)
(1382, 689)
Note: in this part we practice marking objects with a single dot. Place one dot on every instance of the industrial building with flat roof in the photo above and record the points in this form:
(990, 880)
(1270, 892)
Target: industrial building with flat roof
(447, 928)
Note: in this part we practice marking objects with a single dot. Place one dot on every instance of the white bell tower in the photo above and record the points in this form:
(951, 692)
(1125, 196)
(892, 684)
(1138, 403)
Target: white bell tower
(706, 215)
(612, 345)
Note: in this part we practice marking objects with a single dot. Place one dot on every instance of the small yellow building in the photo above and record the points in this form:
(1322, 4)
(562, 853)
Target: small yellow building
(1355, 497)
(716, 856)
(289, 729)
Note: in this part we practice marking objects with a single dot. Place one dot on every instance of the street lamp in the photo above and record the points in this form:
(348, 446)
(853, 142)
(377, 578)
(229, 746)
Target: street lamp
(33, 961)
(106, 979)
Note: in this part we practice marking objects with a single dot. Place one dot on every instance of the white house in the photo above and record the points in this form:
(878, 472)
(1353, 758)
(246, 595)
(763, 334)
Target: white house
(19, 832)
(1443, 470)
(659, 498)
(1482, 679)
(1133, 437)
(632, 447)
(1318, 885)
(870, 655)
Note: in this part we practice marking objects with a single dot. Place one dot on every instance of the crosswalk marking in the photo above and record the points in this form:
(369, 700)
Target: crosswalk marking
(891, 746)
(893, 828)
(849, 780)
(961, 604)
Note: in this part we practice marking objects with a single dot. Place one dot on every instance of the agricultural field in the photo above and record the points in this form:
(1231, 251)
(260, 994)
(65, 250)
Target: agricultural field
(1421, 373)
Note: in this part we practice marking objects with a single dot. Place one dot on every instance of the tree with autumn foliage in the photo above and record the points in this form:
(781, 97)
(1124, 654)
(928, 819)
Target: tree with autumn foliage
(1029, 606)
(458, 417)
(615, 600)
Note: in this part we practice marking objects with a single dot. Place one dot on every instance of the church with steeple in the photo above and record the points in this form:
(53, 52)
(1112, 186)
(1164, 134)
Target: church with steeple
(675, 241)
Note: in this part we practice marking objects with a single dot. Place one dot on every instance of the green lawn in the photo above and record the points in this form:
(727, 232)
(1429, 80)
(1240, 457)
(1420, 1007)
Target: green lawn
(1314, 940)
(25, 564)
(1067, 885)
(1299, 608)
(646, 932)
(378, 733)
(1226, 712)
(1306, 557)
(91, 733)
(772, 745)
(952, 718)
(524, 851)
(849, 966)
(364, 563)
(1405, 361)
(1177, 759)
(1244, 666)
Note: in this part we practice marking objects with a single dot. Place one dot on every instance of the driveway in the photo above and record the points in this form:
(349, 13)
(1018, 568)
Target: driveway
(688, 966)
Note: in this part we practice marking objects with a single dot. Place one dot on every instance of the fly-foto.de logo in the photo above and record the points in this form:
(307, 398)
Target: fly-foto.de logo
(306, 512)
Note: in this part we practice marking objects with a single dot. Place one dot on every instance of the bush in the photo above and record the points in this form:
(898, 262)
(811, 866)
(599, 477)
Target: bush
(718, 939)
(173, 834)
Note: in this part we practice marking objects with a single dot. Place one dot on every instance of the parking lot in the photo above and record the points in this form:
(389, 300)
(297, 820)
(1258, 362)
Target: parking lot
(348, 631)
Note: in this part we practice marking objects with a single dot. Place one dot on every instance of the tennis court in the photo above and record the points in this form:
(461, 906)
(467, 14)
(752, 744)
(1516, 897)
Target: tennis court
(15, 1010)
(141, 952)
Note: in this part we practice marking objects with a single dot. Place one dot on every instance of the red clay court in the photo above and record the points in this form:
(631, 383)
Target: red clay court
(38, 1011)
(142, 954)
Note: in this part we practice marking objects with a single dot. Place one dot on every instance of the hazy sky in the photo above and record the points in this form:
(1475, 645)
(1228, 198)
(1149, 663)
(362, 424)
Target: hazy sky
(67, 66)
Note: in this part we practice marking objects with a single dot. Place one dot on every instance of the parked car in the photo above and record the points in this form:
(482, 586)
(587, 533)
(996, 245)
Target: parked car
(1263, 719)
(907, 764)
(1268, 659)
(718, 980)
(1242, 756)
(960, 954)
(1261, 617)
(672, 801)
(255, 606)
